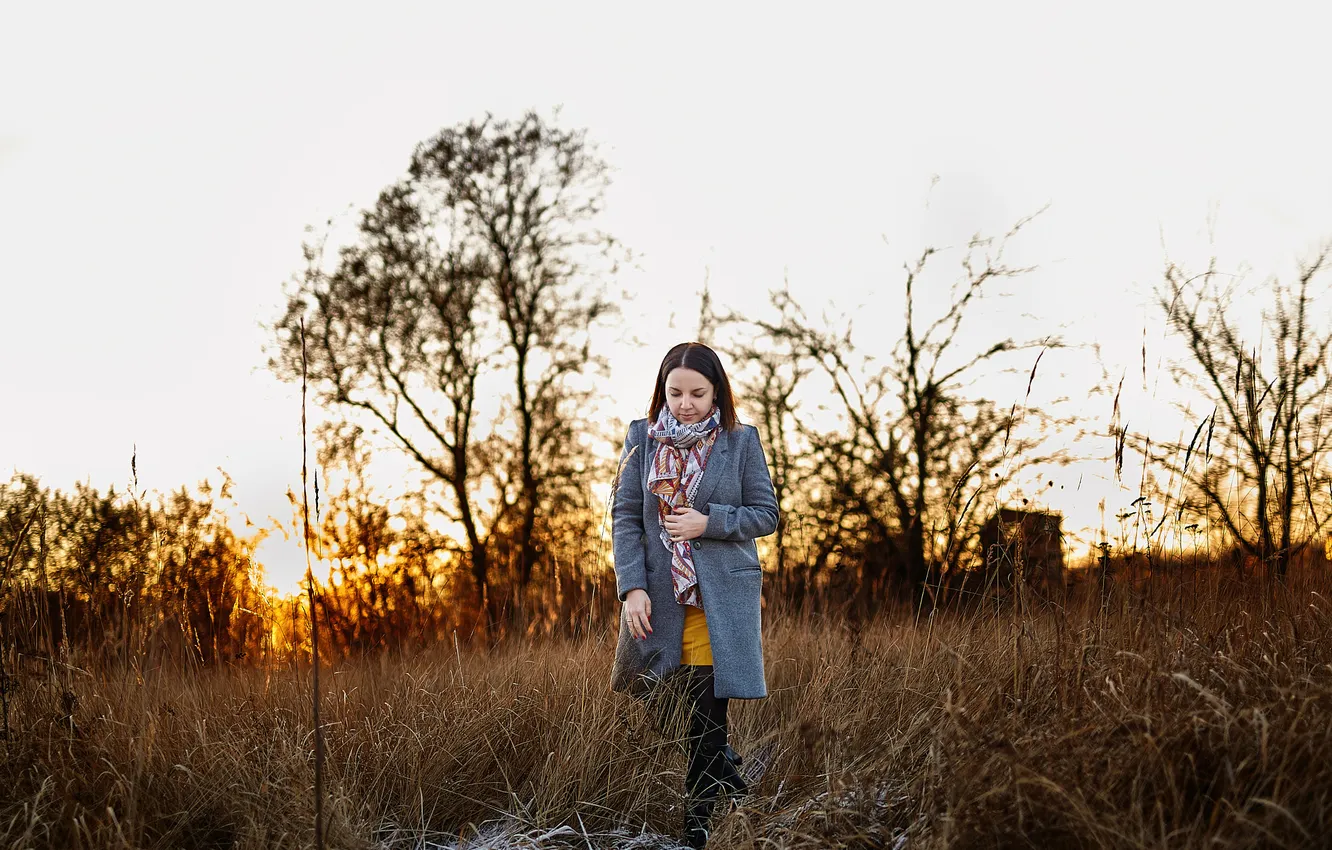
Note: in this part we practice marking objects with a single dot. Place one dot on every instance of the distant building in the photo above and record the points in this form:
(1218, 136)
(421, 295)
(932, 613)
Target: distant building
(1026, 543)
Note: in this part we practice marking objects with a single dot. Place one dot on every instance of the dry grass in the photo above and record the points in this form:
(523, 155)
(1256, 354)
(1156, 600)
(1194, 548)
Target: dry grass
(1182, 716)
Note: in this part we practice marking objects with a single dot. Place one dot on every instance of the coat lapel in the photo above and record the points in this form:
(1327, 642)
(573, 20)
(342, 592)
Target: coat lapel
(715, 469)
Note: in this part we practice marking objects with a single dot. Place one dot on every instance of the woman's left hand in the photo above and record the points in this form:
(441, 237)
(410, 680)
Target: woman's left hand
(686, 524)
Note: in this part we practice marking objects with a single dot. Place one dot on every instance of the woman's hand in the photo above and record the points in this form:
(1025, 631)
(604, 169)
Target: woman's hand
(638, 608)
(685, 524)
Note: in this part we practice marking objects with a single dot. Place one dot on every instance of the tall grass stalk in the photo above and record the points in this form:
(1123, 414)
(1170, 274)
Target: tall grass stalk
(314, 621)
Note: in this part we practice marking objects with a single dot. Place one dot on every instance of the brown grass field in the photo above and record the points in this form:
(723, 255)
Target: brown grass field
(1183, 713)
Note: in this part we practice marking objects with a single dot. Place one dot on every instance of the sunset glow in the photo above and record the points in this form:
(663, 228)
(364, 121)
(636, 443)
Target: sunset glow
(283, 563)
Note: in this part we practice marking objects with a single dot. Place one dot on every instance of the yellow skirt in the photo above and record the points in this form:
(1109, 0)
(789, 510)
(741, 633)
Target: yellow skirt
(696, 648)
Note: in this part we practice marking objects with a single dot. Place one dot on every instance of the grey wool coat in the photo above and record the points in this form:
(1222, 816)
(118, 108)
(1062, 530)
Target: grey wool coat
(736, 493)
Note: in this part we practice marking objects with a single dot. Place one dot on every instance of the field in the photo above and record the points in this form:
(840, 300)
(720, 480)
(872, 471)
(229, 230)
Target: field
(1186, 712)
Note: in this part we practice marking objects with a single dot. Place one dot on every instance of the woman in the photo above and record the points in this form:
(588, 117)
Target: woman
(693, 493)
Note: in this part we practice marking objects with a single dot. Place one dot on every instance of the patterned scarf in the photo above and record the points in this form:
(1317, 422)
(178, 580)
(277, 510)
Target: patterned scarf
(678, 460)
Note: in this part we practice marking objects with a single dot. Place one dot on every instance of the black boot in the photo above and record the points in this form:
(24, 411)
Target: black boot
(728, 773)
(702, 787)
(712, 774)
(698, 819)
(708, 768)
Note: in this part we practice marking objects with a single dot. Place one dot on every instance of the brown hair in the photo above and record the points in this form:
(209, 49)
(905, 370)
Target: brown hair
(703, 360)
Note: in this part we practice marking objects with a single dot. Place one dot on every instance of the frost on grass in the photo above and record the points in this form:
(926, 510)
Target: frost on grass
(511, 835)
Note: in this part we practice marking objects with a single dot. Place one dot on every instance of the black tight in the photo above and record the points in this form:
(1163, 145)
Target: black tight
(687, 710)
(687, 704)
(707, 733)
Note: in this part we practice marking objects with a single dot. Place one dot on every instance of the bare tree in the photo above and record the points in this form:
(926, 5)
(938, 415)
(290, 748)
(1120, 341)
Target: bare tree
(1258, 464)
(896, 488)
(478, 269)
(765, 385)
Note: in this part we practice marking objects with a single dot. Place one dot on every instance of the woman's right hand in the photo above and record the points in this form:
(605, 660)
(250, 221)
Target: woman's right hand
(638, 608)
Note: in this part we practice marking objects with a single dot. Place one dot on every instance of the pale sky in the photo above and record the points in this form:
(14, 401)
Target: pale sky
(158, 166)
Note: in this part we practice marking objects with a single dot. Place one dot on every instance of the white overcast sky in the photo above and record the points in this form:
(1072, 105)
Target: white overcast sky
(158, 164)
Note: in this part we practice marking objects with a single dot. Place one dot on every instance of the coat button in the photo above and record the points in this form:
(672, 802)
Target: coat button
(698, 545)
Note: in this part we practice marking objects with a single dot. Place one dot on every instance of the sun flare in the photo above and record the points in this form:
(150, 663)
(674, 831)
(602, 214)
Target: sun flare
(283, 563)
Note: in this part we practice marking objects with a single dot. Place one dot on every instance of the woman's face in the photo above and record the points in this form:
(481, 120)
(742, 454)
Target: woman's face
(689, 395)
